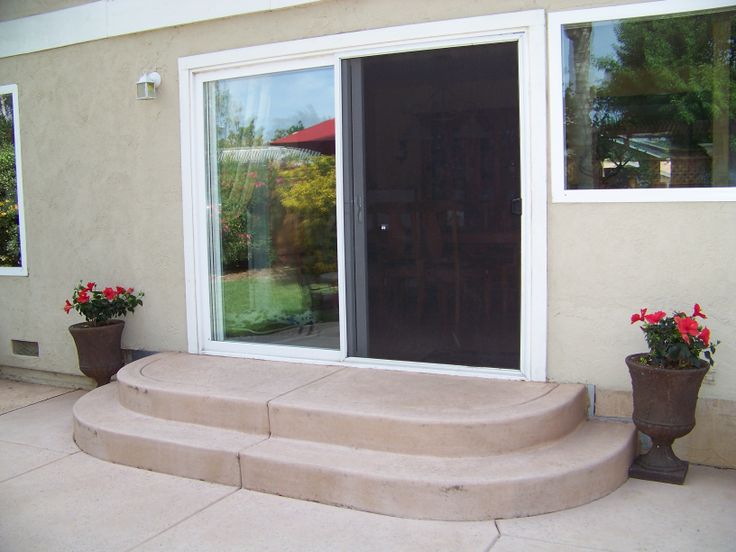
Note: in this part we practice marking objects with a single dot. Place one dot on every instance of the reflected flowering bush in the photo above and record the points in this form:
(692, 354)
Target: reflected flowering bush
(676, 341)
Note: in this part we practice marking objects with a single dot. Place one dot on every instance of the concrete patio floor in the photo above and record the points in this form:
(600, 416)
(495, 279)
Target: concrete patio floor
(55, 497)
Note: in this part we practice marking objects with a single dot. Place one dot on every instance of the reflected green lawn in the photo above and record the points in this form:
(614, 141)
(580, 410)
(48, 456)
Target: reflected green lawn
(263, 301)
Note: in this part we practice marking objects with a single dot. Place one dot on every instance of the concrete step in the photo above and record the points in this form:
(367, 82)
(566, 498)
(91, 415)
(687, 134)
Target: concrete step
(427, 414)
(402, 444)
(376, 409)
(232, 393)
(107, 430)
(587, 464)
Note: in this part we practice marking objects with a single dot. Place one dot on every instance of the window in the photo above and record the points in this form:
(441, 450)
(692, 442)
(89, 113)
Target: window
(648, 104)
(12, 242)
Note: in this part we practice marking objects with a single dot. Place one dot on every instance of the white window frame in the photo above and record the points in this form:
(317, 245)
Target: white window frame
(555, 22)
(21, 270)
(527, 28)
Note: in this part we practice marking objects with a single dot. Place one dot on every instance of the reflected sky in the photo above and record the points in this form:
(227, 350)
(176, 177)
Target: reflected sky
(603, 43)
(280, 100)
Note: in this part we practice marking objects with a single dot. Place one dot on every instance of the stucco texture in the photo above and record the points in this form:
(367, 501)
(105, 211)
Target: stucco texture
(102, 181)
(606, 261)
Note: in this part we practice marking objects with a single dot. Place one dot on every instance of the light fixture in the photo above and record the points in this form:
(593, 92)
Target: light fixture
(147, 85)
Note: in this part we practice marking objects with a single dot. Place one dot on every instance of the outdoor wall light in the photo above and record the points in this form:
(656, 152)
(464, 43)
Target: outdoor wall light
(147, 85)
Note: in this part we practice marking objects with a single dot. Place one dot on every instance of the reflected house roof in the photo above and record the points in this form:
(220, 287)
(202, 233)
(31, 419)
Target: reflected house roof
(319, 138)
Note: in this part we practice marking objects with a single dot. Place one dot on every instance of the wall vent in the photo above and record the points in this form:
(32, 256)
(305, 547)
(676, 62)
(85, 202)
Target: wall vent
(25, 348)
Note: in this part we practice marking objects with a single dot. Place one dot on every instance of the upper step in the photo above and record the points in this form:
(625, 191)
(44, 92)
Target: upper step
(391, 411)
(231, 393)
(429, 414)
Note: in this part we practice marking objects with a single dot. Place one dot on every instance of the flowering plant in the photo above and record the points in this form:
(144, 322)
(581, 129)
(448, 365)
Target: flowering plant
(676, 341)
(98, 307)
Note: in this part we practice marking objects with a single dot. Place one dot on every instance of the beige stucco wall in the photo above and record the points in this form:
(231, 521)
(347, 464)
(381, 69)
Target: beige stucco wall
(608, 260)
(103, 202)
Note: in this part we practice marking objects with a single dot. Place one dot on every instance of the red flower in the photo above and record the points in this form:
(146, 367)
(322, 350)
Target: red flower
(636, 317)
(697, 312)
(83, 297)
(90, 285)
(130, 290)
(687, 327)
(67, 307)
(654, 318)
(120, 289)
(704, 336)
(109, 293)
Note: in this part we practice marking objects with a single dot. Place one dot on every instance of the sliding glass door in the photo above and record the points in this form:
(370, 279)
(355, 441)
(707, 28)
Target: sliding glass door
(412, 252)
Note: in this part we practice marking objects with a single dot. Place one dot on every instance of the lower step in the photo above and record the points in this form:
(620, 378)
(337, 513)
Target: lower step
(585, 465)
(107, 430)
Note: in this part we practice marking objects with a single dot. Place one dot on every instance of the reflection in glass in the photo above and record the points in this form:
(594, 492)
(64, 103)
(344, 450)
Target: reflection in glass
(651, 103)
(10, 255)
(271, 186)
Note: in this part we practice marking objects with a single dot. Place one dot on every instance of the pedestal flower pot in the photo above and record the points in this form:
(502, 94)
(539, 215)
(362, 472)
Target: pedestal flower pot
(98, 349)
(664, 409)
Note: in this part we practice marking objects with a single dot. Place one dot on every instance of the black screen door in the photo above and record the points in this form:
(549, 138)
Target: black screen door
(433, 205)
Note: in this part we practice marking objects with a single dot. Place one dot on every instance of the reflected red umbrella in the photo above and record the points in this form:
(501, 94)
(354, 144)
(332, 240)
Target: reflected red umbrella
(319, 137)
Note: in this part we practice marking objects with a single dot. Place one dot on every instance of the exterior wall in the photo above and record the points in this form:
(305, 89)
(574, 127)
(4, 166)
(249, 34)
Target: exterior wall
(13, 9)
(103, 199)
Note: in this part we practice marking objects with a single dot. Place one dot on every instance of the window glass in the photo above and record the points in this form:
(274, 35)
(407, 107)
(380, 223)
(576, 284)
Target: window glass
(11, 259)
(650, 102)
(272, 228)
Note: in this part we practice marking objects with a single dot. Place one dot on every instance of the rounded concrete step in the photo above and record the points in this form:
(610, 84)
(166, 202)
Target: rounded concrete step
(231, 393)
(585, 465)
(107, 430)
(393, 411)
(428, 414)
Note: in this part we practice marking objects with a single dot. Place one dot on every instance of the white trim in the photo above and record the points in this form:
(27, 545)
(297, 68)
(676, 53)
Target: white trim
(555, 22)
(186, 116)
(108, 18)
(527, 28)
(21, 270)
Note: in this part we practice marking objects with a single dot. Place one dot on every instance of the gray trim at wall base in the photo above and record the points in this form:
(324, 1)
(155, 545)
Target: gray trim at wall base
(43, 377)
(131, 355)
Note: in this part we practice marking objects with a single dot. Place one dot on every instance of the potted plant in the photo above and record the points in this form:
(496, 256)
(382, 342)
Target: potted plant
(98, 339)
(665, 382)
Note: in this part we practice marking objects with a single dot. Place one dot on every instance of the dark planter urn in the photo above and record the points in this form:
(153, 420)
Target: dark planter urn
(664, 409)
(98, 349)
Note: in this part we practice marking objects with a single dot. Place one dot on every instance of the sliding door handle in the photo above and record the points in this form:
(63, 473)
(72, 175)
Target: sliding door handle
(516, 206)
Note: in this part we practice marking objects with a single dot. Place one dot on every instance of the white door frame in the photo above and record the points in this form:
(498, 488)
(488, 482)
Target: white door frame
(526, 28)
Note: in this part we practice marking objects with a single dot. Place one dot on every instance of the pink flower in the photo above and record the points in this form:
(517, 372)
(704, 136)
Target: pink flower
(129, 290)
(698, 312)
(67, 307)
(687, 327)
(640, 316)
(109, 293)
(259, 184)
(655, 318)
